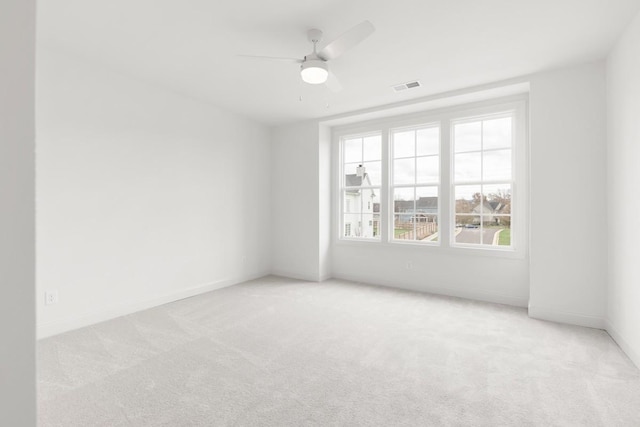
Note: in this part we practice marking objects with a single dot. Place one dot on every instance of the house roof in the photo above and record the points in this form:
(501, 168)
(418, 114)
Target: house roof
(423, 203)
(427, 202)
(353, 180)
(494, 207)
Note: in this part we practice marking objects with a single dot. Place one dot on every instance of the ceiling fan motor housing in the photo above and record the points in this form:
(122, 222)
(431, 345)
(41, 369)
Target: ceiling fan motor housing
(314, 71)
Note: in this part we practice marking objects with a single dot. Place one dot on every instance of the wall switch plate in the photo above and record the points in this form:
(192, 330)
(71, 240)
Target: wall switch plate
(51, 297)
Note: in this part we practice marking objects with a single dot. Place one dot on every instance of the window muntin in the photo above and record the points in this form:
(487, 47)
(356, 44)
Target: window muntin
(361, 175)
(414, 183)
(482, 182)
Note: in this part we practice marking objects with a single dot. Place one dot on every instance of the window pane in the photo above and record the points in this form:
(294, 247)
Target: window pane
(497, 165)
(351, 178)
(428, 141)
(371, 200)
(404, 171)
(491, 230)
(504, 230)
(403, 206)
(467, 229)
(350, 224)
(403, 199)
(467, 167)
(361, 217)
(370, 219)
(428, 169)
(372, 148)
(373, 173)
(496, 133)
(467, 137)
(468, 199)
(353, 150)
(426, 215)
(404, 227)
(367, 229)
(416, 217)
(404, 144)
(352, 201)
(487, 230)
(498, 199)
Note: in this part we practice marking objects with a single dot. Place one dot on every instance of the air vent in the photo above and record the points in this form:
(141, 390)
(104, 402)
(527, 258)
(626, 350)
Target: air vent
(405, 86)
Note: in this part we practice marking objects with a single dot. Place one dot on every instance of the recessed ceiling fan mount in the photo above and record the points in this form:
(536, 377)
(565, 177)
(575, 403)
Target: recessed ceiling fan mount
(313, 67)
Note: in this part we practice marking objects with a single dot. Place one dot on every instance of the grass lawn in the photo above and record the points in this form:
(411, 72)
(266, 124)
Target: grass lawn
(399, 231)
(504, 239)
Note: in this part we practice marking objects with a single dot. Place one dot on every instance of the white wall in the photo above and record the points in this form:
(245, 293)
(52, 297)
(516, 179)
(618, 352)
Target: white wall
(296, 203)
(324, 207)
(568, 197)
(17, 212)
(485, 278)
(623, 87)
(301, 182)
(143, 196)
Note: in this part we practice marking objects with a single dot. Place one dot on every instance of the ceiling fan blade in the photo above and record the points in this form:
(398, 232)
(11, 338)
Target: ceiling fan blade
(272, 58)
(347, 40)
(333, 83)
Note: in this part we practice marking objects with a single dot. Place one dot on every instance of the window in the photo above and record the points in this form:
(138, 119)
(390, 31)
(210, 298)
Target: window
(482, 180)
(451, 178)
(361, 183)
(415, 181)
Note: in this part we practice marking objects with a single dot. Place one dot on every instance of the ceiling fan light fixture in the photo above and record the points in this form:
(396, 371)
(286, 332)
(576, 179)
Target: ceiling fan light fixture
(314, 71)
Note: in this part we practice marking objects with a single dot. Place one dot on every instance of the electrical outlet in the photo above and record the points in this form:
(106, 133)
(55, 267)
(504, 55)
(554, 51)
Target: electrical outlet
(409, 265)
(51, 297)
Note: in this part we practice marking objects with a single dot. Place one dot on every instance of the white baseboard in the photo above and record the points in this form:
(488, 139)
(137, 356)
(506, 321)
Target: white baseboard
(440, 290)
(559, 316)
(325, 277)
(107, 313)
(296, 275)
(634, 354)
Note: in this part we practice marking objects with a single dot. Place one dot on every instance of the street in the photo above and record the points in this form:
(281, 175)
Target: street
(472, 235)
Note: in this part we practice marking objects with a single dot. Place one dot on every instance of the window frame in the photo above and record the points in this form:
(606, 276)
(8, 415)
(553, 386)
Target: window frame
(391, 186)
(516, 105)
(513, 113)
(342, 209)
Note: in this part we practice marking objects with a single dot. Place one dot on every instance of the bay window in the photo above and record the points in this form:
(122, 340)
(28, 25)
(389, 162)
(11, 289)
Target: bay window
(453, 178)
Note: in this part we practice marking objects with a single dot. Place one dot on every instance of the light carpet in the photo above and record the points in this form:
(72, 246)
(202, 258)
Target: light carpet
(280, 352)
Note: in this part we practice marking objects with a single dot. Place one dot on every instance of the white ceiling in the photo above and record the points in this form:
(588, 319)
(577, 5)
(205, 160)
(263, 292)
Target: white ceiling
(190, 45)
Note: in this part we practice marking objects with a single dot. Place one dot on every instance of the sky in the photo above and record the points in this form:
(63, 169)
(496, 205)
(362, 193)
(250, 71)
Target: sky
(481, 151)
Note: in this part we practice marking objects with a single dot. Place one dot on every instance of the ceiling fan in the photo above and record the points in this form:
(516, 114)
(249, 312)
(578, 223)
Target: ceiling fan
(313, 67)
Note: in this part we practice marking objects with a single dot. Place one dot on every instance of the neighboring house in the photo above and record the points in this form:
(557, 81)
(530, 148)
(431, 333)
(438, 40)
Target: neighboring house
(426, 210)
(493, 208)
(360, 216)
